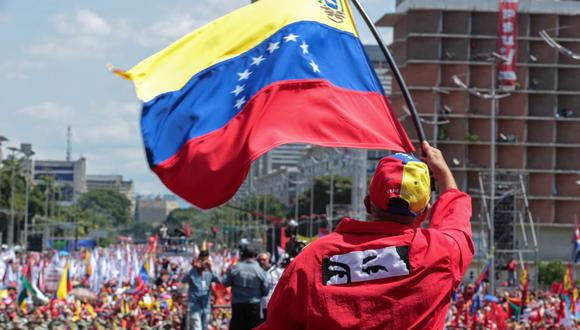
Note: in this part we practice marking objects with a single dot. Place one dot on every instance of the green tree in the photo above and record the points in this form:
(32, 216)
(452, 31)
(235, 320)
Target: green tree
(551, 272)
(342, 192)
(265, 204)
(98, 205)
(35, 203)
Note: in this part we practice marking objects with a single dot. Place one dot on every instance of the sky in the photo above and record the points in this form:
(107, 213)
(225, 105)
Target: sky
(53, 74)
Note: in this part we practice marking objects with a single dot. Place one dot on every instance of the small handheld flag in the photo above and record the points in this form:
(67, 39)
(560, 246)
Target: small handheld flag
(63, 286)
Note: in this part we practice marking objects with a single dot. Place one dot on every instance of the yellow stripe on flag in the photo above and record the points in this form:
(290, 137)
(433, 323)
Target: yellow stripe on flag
(229, 36)
(62, 291)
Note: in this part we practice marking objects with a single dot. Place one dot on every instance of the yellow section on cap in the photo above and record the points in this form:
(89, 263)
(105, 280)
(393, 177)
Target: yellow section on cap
(230, 36)
(416, 186)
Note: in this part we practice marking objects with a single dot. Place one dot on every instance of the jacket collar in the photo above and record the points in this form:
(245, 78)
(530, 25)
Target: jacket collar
(353, 226)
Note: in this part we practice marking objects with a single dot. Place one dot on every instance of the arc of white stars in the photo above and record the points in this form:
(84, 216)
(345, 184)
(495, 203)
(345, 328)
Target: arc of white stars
(244, 75)
(257, 60)
(291, 37)
(273, 46)
(304, 47)
(240, 102)
(239, 89)
(314, 66)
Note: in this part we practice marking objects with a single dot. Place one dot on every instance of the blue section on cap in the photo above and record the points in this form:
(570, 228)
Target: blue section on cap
(405, 158)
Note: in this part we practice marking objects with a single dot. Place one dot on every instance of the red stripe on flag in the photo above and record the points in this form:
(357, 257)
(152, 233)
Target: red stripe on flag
(209, 169)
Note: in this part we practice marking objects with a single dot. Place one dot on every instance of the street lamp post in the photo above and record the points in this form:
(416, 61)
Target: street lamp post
(12, 197)
(27, 154)
(492, 174)
(310, 227)
(493, 97)
(331, 211)
(2, 139)
(296, 201)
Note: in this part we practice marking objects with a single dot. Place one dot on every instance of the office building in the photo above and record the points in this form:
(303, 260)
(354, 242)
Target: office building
(69, 176)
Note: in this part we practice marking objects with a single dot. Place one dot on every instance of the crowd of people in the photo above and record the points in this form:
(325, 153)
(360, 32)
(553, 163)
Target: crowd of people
(540, 309)
(144, 298)
(356, 277)
(128, 286)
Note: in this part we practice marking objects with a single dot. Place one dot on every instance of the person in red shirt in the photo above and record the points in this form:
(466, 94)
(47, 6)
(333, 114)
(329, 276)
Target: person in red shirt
(388, 273)
(511, 268)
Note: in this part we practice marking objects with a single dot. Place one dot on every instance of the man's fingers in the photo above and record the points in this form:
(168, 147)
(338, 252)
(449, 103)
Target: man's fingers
(427, 149)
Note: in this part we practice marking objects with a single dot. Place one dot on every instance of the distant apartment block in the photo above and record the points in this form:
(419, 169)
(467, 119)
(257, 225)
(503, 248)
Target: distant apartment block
(155, 209)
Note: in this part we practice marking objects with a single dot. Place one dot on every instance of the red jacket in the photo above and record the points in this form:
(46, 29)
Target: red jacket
(377, 275)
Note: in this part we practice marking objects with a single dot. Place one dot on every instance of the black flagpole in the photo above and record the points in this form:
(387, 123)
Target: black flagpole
(395, 70)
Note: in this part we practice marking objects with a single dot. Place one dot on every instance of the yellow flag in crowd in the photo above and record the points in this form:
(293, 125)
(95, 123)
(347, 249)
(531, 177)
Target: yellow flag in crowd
(88, 263)
(568, 280)
(62, 291)
(524, 277)
(91, 310)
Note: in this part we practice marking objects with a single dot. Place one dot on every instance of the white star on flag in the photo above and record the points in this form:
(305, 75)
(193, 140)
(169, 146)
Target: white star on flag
(291, 37)
(244, 75)
(314, 66)
(239, 89)
(240, 102)
(304, 47)
(257, 60)
(273, 46)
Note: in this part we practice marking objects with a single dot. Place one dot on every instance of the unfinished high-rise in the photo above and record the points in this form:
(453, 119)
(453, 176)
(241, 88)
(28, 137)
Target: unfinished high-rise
(538, 125)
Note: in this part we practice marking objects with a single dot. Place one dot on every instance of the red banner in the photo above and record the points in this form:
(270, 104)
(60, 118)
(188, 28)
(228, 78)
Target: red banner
(508, 43)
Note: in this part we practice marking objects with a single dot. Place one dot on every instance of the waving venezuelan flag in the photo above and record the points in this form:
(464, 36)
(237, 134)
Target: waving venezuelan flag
(271, 73)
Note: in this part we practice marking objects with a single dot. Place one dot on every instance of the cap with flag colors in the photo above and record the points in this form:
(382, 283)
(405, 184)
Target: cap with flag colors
(271, 73)
(401, 185)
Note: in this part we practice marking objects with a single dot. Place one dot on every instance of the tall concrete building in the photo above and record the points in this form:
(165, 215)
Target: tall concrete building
(113, 182)
(69, 176)
(538, 125)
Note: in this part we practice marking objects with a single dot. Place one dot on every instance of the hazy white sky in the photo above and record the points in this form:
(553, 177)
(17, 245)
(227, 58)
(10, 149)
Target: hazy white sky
(52, 73)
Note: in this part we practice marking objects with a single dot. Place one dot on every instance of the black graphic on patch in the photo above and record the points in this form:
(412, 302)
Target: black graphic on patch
(361, 266)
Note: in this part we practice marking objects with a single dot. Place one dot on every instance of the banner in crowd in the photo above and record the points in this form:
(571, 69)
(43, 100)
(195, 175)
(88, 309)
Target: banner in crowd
(508, 43)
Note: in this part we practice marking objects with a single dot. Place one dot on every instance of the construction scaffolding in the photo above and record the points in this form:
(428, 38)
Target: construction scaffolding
(513, 223)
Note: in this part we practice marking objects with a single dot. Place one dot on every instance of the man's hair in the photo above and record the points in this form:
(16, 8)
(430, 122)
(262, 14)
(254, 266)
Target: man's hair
(248, 252)
(376, 213)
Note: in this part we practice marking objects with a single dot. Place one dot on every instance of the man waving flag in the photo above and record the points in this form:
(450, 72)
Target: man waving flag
(271, 73)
